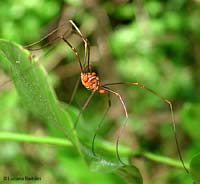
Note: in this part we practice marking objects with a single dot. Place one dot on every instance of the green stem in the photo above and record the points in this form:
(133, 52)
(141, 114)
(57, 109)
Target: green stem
(7, 136)
(166, 160)
(125, 151)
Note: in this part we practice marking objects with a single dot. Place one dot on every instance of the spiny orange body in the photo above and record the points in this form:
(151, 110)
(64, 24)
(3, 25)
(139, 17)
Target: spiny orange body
(91, 82)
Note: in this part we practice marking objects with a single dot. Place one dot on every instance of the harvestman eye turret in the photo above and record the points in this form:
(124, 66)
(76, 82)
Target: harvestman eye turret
(91, 81)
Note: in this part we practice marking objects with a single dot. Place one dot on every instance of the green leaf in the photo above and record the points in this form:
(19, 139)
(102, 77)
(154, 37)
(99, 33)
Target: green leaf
(195, 168)
(130, 174)
(34, 89)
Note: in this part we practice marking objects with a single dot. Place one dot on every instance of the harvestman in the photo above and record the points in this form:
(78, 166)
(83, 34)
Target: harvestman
(91, 81)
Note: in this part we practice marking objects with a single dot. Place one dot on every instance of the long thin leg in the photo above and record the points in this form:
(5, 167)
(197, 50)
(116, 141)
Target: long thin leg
(86, 62)
(58, 37)
(83, 108)
(74, 90)
(171, 111)
(75, 52)
(63, 37)
(100, 124)
(124, 123)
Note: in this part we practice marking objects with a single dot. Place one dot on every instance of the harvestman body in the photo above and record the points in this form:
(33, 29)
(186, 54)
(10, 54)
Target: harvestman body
(91, 81)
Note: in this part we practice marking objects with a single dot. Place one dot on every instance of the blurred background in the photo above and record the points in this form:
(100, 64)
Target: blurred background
(155, 43)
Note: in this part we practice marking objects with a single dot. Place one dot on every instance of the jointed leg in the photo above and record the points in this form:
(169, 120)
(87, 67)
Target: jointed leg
(75, 52)
(87, 46)
(74, 90)
(57, 37)
(63, 35)
(83, 108)
(124, 123)
(171, 111)
(100, 124)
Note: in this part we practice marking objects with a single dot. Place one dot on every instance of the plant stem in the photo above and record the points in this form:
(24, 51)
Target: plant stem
(166, 160)
(8, 136)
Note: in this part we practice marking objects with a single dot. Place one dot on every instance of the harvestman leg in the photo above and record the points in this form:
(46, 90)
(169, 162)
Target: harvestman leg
(75, 52)
(86, 62)
(124, 123)
(58, 37)
(100, 124)
(67, 32)
(74, 91)
(163, 99)
(83, 108)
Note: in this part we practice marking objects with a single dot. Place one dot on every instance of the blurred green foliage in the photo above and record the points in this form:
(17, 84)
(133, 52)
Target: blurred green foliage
(152, 42)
